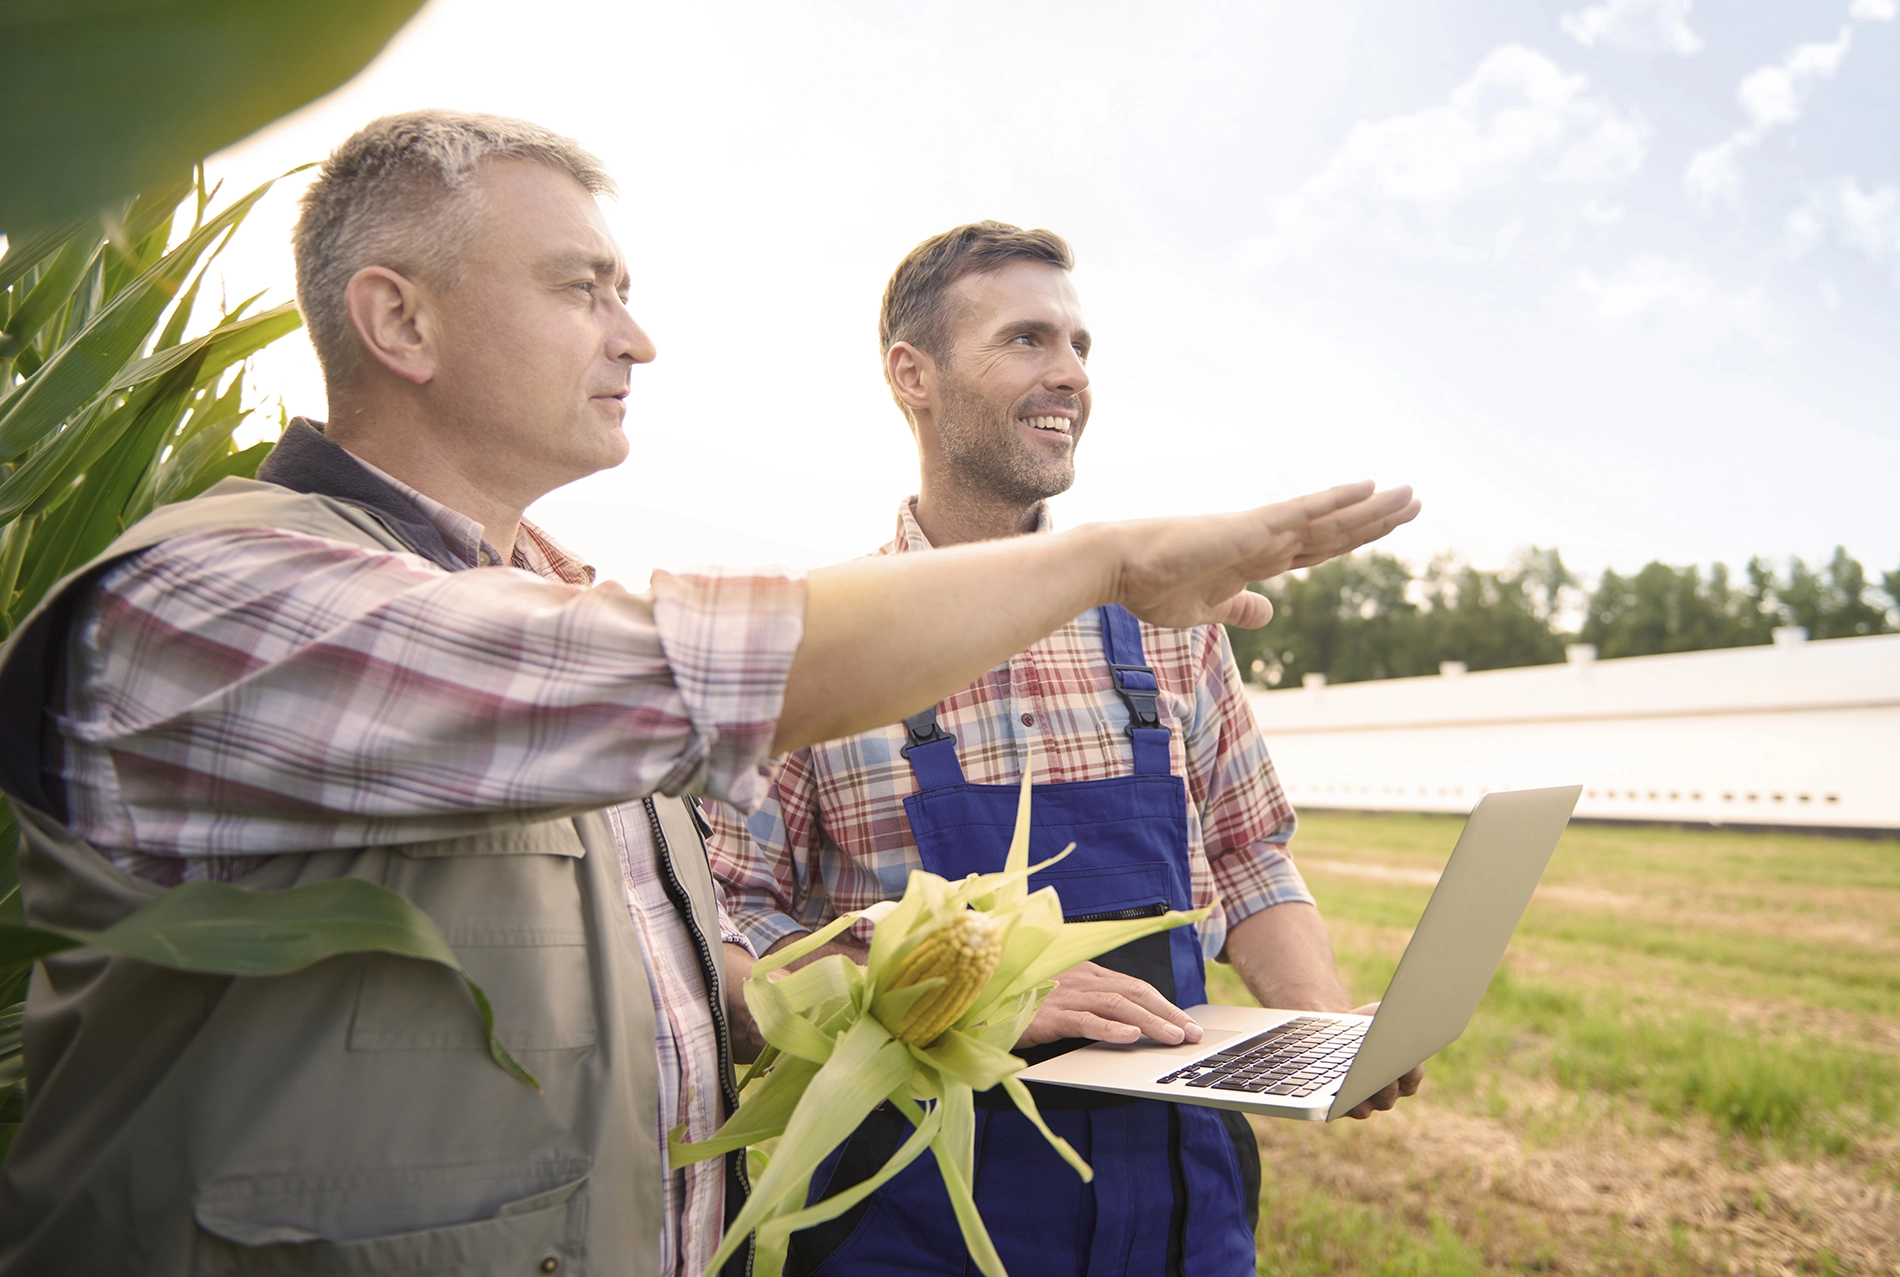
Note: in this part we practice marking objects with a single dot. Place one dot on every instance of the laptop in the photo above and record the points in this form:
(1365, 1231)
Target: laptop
(1316, 1067)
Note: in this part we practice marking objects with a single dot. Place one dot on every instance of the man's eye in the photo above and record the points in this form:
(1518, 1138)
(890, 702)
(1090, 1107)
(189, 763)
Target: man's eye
(585, 285)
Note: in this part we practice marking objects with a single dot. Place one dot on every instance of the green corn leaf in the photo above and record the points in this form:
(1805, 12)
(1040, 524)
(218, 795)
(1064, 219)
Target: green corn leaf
(1018, 1091)
(239, 465)
(775, 1235)
(29, 250)
(955, 1157)
(90, 361)
(53, 289)
(93, 515)
(768, 1109)
(44, 479)
(1080, 941)
(174, 330)
(216, 929)
(40, 479)
(790, 1032)
(866, 1066)
(972, 1062)
(106, 97)
(231, 342)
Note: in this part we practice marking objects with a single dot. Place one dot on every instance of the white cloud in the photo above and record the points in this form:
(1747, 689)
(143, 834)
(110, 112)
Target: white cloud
(1639, 26)
(1866, 221)
(1521, 144)
(1873, 10)
(1650, 289)
(1771, 97)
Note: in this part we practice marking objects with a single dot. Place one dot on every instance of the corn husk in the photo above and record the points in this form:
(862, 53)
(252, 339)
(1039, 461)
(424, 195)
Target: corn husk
(834, 1055)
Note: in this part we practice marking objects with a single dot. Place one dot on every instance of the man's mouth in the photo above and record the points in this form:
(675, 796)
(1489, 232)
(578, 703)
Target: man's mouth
(1056, 425)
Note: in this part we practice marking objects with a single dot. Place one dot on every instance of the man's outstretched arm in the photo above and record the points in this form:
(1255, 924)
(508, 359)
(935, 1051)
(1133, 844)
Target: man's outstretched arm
(885, 636)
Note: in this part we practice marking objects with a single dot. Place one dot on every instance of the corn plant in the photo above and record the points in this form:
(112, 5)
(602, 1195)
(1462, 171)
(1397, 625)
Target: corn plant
(107, 410)
(955, 974)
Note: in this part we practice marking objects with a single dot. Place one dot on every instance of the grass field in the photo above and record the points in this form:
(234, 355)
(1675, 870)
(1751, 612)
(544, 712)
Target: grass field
(1690, 1063)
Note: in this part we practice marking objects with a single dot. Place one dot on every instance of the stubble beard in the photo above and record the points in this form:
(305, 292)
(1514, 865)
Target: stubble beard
(980, 447)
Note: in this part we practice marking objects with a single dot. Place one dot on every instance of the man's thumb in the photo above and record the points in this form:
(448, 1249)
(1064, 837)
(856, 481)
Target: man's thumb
(1248, 610)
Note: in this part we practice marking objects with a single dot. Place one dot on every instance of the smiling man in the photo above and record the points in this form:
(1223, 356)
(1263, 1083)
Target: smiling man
(1147, 758)
(368, 663)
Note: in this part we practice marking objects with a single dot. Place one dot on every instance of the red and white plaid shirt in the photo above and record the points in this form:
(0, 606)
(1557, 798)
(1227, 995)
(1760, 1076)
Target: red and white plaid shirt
(242, 693)
(832, 837)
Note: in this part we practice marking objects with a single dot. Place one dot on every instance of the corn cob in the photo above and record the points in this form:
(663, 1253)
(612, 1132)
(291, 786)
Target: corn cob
(964, 951)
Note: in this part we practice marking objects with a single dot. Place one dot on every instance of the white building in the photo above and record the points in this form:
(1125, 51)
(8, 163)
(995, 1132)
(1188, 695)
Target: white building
(1799, 733)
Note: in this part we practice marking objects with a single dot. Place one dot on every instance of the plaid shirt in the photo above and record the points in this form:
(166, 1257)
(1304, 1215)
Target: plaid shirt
(239, 693)
(832, 836)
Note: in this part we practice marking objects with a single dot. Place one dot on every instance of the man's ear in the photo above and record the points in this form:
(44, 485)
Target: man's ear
(394, 321)
(913, 377)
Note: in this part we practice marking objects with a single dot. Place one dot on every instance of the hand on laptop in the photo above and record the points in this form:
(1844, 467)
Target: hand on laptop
(1093, 1002)
(1379, 1101)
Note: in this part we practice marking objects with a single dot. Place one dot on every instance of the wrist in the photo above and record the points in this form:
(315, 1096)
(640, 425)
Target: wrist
(1101, 555)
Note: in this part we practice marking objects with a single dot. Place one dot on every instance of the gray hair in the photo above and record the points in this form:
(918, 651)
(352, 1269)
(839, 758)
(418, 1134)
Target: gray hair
(401, 194)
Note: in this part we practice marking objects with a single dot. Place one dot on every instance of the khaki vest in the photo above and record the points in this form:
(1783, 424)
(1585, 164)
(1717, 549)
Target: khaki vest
(345, 1119)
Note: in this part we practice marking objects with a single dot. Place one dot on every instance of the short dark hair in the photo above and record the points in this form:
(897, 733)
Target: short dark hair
(915, 309)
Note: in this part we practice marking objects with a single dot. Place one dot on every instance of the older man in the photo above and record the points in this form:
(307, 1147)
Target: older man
(367, 663)
(1148, 759)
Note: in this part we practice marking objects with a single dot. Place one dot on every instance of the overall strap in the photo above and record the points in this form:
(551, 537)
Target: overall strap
(1136, 682)
(932, 751)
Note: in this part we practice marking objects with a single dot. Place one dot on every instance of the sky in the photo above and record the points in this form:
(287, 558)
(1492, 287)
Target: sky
(1619, 277)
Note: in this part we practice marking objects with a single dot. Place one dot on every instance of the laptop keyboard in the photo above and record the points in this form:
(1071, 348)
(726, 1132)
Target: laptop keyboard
(1297, 1058)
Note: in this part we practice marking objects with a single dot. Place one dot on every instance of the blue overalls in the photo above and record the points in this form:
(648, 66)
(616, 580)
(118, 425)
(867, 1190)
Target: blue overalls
(1168, 1195)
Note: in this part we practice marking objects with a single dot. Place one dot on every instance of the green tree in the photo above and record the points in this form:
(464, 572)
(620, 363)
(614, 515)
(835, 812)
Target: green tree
(1677, 609)
(1834, 602)
(1490, 620)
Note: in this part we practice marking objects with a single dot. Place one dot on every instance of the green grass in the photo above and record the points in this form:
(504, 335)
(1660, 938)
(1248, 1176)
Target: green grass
(1746, 985)
(1308, 1234)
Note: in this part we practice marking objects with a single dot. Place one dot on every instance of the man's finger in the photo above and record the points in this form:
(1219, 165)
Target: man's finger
(1377, 1102)
(1330, 542)
(1155, 1023)
(1247, 610)
(1081, 1024)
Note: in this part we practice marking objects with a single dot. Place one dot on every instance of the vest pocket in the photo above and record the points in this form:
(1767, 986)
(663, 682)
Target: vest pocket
(538, 981)
(542, 1234)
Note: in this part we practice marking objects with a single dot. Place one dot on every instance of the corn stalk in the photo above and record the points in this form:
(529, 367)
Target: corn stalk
(844, 1039)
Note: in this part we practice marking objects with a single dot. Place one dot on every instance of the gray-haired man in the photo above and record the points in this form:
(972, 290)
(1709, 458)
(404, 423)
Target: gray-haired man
(367, 663)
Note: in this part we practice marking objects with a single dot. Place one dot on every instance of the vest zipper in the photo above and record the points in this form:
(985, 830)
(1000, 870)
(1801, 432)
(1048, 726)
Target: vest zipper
(722, 1034)
(1123, 915)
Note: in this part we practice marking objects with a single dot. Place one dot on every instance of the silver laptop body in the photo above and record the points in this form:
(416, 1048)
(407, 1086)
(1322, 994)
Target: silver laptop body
(1316, 1067)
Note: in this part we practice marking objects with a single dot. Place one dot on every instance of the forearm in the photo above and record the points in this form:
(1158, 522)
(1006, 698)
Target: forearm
(885, 637)
(1284, 956)
(858, 953)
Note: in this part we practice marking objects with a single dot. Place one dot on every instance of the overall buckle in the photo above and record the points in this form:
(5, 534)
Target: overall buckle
(1138, 686)
(917, 738)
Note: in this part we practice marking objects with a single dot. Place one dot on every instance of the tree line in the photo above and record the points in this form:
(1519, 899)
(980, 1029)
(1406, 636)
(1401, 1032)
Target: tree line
(1371, 615)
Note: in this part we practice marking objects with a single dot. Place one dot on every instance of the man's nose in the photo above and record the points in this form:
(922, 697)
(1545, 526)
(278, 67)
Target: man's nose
(1068, 374)
(628, 340)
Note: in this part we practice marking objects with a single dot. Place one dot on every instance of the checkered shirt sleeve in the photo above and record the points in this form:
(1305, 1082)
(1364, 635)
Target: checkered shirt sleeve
(243, 693)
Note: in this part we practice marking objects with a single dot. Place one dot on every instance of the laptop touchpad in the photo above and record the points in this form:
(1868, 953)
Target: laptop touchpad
(1210, 1040)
